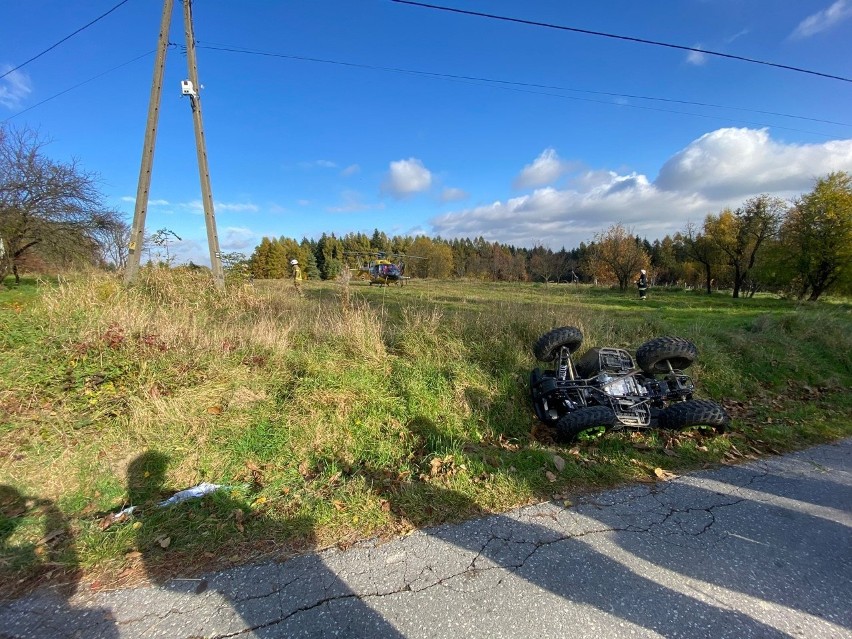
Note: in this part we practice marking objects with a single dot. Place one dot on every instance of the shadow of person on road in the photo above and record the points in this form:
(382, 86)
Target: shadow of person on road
(266, 598)
(48, 566)
(547, 557)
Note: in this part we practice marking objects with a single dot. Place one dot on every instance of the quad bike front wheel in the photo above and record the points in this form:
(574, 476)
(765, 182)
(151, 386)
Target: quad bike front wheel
(695, 412)
(569, 427)
(548, 345)
(658, 355)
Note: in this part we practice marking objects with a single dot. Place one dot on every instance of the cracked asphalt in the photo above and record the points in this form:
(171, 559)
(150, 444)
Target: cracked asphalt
(758, 550)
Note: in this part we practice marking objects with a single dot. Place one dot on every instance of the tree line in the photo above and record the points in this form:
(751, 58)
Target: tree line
(53, 217)
(801, 248)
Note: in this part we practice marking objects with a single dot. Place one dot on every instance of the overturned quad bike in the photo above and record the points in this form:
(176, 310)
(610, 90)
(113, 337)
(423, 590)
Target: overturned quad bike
(605, 389)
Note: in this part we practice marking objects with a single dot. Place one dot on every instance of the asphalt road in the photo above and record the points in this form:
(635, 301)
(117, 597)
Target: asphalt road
(758, 550)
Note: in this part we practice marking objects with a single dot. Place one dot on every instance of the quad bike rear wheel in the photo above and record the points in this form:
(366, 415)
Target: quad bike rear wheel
(656, 356)
(548, 345)
(569, 427)
(695, 412)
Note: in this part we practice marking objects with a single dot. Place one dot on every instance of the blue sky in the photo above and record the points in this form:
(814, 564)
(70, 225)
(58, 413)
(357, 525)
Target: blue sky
(341, 128)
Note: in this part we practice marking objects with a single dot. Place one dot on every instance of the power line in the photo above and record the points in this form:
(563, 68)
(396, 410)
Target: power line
(124, 64)
(527, 85)
(70, 35)
(621, 37)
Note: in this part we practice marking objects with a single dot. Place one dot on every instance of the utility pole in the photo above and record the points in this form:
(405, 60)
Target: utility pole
(137, 231)
(201, 150)
(188, 87)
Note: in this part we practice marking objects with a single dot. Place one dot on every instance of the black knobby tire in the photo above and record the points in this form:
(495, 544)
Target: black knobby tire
(571, 425)
(547, 346)
(590, 364)
(695, 412)
(535, 378)
(541, 385)
(655, 356)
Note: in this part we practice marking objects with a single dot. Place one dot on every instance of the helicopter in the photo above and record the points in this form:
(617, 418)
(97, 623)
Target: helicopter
(378, 269)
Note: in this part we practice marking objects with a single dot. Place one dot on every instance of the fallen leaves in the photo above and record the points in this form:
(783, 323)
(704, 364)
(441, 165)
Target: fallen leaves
(664, 475)
(239, 518)
(112, 519)
(253, 474)
(305, 469)
(444, 467)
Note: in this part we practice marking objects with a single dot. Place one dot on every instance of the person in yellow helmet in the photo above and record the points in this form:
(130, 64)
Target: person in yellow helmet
(297, 277)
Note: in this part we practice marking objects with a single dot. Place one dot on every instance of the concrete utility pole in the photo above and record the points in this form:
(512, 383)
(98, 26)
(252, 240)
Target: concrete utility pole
(137, 231)
(201, 150)
(190, 88)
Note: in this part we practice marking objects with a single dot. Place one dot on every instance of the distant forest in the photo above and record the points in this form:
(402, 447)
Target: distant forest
(802, 249)
(53, 218)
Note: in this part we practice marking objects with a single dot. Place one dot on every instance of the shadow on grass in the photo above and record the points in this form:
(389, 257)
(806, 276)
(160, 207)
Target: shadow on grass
(46, 557)
(145, 478)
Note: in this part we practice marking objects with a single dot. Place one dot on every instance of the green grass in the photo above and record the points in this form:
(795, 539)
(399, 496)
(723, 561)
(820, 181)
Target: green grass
(353, 412)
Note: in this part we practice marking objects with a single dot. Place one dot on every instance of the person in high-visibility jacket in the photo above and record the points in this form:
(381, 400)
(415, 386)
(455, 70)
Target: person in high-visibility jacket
(297, 277)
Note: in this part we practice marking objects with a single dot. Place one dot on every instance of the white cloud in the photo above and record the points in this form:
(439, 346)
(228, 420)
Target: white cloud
(190, 250)
(406, 177)
(236, 238)
(823, 20)
(14, 88)
(351, 202)
(132, 200)
(236, 207)
(321, 164)
(732, 162)
(197, 206)
(739, 34)
(545, 169)
(722, 168)
(352, 169)
(696, 58)
(453, 195)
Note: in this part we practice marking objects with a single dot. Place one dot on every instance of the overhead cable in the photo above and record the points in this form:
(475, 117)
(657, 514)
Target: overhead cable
(70, 35)
(523, 85)
(621, 37)
(124, 64)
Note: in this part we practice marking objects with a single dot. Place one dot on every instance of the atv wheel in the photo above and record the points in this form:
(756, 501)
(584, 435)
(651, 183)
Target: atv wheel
(547, 346)
(695, 412)
(571, 425)
(535, 378)
(590, 364)
(656, 355)
(543, 411)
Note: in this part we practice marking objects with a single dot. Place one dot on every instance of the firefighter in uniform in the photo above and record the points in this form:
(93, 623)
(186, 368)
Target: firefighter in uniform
(297, 277)
(642, 283)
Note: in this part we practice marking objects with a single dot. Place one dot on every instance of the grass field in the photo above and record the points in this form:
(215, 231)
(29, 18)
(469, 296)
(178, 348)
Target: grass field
(355, 412)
